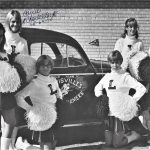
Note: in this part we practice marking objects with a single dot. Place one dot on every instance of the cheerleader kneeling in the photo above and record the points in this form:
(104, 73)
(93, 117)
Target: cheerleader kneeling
(122, 106)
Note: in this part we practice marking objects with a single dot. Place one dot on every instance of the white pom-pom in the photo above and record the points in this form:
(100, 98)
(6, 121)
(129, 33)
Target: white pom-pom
(125, 62)
(9, 78)
(41, 117)
(134, 64)
(123, 106)
(29, 65)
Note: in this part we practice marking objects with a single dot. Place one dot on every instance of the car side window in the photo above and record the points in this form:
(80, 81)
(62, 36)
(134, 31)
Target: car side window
(71, 56)
(38, 49)
(63, 55)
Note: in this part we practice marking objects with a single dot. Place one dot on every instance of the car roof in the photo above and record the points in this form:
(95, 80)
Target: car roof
(35, 35)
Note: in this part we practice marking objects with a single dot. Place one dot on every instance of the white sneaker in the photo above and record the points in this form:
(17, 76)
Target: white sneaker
(20, 144)
(133, 136)
(148, 142)
(24, 145)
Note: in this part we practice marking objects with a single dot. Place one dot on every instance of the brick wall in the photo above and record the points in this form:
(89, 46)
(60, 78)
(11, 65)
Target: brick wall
(87, 25)
(75, 4)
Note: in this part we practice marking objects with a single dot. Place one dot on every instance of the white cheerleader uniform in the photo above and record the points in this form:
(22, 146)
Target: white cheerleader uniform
(117, 85)
(128, 47)
(42, 115)
(16, 40)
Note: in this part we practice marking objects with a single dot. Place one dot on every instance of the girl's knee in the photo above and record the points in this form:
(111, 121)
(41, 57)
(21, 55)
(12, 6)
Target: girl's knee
(47, 146)
(120, 143)
(7, 130)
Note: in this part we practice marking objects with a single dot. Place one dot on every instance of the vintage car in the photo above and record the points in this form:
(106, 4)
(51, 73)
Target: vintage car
(77, 77)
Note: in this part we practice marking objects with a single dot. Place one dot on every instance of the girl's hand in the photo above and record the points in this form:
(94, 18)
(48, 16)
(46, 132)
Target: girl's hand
(28, 108)
(147, 87)
(146, 119)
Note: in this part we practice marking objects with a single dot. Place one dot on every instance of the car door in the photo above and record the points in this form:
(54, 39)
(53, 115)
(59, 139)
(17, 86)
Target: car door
(76, 77)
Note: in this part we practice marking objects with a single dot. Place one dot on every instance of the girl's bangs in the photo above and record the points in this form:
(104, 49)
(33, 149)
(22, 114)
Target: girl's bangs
(132, 24)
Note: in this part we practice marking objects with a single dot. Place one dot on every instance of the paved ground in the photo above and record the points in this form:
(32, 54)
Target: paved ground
(102, 146)
(72, 136)
(97, 146)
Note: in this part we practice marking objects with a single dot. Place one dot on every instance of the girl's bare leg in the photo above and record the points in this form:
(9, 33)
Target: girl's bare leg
(13, 137)
(6, 136)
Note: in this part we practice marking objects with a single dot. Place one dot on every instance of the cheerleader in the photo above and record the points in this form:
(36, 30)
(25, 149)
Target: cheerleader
(13, 28)
(129, 43)
(132, 50)
(122, 106)
(43, 92)
(14, 41)
(9, 83)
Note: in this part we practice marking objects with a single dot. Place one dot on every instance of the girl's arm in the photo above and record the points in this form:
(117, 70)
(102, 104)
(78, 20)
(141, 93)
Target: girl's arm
(99, 87)
(118, 45)
(134, 50)
(59, 93)
(21, 95)
(25, 48)
(142, 46)
(133, 83)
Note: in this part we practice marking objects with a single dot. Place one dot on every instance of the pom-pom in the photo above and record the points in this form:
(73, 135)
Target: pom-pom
(9, 78)
(134, 64)
(22, 74)
(144, 69)
(123, 106)
(41, 117)
(29, 65)
(125, 62)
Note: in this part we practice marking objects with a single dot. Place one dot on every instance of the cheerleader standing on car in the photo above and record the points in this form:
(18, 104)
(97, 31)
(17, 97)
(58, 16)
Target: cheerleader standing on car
(122, 106)
(43, 92)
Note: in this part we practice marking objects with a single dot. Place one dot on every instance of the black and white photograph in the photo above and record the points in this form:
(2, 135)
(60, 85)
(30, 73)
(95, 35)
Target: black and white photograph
(75, 75)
